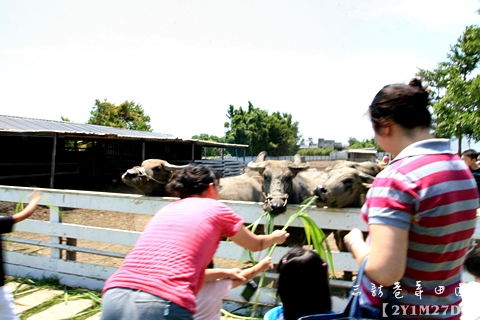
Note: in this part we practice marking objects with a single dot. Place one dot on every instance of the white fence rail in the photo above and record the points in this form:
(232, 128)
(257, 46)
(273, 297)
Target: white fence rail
(93, 276)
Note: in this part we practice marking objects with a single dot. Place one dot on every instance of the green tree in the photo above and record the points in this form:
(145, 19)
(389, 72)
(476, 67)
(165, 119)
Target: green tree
(211, 151)
(126, 115)
(352, 141)
(65, 119)
(455, 89)
(275, 133)
(367, 143)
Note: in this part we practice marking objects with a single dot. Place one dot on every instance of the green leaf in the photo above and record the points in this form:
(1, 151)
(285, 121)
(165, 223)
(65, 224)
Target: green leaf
(315, 237)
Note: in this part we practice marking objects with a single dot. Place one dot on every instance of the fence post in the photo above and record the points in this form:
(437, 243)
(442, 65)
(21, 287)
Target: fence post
(55, 218)
(71, 255)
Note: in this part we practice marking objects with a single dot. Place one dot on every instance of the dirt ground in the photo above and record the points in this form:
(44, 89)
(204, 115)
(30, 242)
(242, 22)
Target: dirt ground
(104, 219)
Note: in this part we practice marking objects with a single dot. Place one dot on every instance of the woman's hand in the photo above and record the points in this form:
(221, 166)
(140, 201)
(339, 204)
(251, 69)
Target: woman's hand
(355, 235)
(26, 213)
(234, 274)
(253, 242)
(279, 236)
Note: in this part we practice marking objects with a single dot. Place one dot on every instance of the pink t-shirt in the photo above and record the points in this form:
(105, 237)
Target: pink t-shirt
(210, 299)
(170, 257)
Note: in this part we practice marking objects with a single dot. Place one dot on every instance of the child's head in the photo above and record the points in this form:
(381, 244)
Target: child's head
(472, 262)
(470, 157)
(303, 284)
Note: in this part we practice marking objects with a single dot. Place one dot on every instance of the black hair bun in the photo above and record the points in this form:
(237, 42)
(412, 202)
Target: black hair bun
(415, 83)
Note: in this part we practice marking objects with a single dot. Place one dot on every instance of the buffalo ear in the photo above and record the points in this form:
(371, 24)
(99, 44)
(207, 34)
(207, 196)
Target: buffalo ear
(366, 178)
(296, 168)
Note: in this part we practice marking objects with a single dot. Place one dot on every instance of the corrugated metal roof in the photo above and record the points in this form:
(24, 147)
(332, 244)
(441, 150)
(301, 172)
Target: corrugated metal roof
(21, 125)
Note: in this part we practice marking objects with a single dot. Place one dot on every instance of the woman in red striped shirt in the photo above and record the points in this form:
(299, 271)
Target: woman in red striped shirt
(420, 210)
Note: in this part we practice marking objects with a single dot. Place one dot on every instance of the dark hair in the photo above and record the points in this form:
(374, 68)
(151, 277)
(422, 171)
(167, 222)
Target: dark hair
(472, 154)
(406, 105)
(191, 180)
(472, 261)
(303, 284)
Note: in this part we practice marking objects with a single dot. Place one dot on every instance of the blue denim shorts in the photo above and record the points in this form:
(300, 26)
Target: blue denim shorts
(129, 304)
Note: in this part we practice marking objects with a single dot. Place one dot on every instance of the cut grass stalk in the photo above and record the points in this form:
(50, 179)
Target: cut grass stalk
(314, 235)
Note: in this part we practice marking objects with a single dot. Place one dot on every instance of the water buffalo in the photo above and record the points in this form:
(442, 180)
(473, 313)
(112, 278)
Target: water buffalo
(280, 184)
(151, 177)
(368, 167)
(286, 182)
(245, 187)
(344, 187)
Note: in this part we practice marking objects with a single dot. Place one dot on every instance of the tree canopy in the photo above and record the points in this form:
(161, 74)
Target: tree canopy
(126, 115)
(275, 133)
(455, 89)
(210, 151)
(354, 143)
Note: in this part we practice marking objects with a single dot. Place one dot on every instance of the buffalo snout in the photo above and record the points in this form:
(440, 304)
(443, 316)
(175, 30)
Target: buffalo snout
(319, 190)
(276, 204)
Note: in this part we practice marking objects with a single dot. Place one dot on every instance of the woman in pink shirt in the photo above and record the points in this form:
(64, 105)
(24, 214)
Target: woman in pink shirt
(162, 274)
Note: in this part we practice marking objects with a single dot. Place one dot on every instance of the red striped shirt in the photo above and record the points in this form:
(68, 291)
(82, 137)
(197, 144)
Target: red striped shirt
(429, 191)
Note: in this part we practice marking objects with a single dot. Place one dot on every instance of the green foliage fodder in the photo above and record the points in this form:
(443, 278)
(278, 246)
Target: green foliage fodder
(314, 235)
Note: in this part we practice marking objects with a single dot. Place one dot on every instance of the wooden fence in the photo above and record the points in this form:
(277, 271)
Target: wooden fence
(93, 276)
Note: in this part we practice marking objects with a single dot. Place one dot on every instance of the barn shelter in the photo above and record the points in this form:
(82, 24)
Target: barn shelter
(66, 155)
(364, 154)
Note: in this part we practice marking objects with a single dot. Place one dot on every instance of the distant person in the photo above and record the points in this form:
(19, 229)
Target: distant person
(303, 286)
(7, 304)
(470, 292)
(160, 277)
(421, 211)
(470, 157)
(386, 159)
(217, 285)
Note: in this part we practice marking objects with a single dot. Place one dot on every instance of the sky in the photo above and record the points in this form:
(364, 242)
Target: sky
(186, 62)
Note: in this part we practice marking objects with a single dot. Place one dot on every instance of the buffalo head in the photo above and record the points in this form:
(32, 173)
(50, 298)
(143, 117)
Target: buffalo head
(151, 177)
(368, 167)
(277, 182)
(345, 187)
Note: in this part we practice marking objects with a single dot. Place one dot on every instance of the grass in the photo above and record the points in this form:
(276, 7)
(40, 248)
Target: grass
(52, 283)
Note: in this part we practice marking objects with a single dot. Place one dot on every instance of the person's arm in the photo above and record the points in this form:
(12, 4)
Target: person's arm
(387, 252)
(253, 242)
(237, 275)
(29, 209)
(217, 273)
(252, 272)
